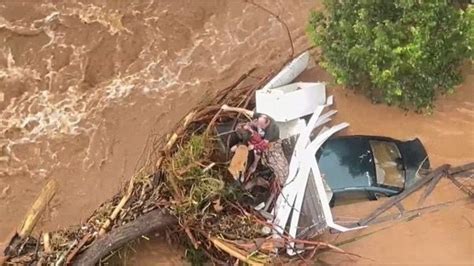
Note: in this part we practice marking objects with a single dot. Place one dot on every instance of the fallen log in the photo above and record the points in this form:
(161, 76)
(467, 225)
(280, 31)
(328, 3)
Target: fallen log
(37, 209)
(407, 192)
(145, 224)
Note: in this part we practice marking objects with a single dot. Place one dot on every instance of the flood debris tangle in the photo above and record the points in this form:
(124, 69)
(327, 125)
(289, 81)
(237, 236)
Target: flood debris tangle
(195, 184)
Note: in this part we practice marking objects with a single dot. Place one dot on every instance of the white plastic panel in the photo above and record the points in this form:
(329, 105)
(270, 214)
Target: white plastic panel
(289, 72)
(291, 128)
(291, 101)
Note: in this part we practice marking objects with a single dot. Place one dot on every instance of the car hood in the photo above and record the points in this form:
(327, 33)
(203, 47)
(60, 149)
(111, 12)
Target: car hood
(346, 163)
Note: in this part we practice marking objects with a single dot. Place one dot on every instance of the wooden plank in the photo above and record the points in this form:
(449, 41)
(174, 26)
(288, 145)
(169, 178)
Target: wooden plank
(37, 209)
(400, 207)
(467, 174)
(419, 211)
(429, 189)
(461, 186)
(462, 168)
(407, 192)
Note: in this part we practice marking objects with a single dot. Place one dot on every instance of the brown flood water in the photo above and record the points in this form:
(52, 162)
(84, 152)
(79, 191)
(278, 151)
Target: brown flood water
(84, 83)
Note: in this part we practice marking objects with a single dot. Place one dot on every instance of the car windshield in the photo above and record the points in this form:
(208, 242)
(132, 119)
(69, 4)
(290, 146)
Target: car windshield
(388, 164)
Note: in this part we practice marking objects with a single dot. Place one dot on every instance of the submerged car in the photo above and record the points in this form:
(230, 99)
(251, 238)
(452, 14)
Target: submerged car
(370, 166)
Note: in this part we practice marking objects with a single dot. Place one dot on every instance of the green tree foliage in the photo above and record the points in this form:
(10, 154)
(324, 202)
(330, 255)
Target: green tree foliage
(401, 52)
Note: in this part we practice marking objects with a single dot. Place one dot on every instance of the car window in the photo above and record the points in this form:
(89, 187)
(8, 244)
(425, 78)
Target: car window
(388, 164)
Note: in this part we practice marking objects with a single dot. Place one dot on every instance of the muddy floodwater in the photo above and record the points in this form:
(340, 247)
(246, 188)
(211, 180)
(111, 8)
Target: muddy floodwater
(84, 83)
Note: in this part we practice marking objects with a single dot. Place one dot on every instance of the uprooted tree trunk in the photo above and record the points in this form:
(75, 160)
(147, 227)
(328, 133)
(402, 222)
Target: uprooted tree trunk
(145, 224)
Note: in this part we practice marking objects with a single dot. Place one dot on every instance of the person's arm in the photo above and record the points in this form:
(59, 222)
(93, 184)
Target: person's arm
(244, 111)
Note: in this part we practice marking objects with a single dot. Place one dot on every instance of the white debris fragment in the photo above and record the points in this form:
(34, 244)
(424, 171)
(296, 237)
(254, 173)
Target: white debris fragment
(291, 101)
(288, 104)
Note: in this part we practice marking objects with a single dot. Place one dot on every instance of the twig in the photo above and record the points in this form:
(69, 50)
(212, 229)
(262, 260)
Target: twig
(214, 259)
(225, 92)
(418, 211)
(118, 208)
(78, 247)
(207, 168)
(467, 174)
(171, 142)
(63, 256)
(191, 237)
(46, 243)
(312, 253)
(281, 22)
(461, 186)
(23, 245)
(213, 120)
(37, 246)
(224, 247)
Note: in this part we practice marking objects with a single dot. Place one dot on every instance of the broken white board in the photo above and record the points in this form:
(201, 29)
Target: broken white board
(296, 126)
(289, 72)
(310, 154)
(291, 101)
(325, 201)
(287, 196)
(290, 128)
(294, 194)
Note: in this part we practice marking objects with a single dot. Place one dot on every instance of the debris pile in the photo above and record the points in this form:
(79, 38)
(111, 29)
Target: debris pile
(234, 184)
(185, 181)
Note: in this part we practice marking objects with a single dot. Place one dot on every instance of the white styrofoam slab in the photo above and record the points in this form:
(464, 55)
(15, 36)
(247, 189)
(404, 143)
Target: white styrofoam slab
(291, 101)
(291, 128)
(289, 72)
